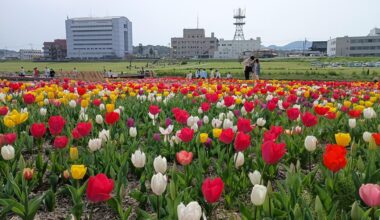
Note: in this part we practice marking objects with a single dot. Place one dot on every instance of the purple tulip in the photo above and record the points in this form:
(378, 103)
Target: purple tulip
(237, 112)
(208, 143)
(199, 123)
(141, 92)
(156, 137)
(130, 122)
(168, 122)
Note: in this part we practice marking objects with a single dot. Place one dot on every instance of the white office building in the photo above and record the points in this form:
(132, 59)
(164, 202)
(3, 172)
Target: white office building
(234, 49)
(98, 38)
(355, 46)
(30, 54)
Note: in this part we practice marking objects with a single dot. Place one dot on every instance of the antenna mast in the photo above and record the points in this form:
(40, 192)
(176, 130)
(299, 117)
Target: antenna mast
(239, 16)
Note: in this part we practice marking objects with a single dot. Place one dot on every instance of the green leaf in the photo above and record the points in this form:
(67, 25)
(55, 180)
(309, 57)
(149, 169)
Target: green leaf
(17, 207)
(356, 211)
(34, 204)
(142, 215)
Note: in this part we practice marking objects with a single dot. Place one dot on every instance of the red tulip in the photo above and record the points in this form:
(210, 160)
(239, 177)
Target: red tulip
(213, 98)
(244, 125)
(321, 110)
(229, 101)
(212, 189)
(38, 130)
(293, 113)
(75, 133)
(84, 128)
(249, 106)
(334, 157)
(56, 124)
(3, 110)
(370, 194)
(112, 118)
(376, 137)
(180, 115)
(60, 142)
(97, 102)
(242, 141)
(184, 158)
(29, 98)
(99, 188)
(271, 105)
(205, 106)
(81, 91)
(10, 138)
(272, 152)
(227, 136)
(154, 110)
(309, 119)
(186, 134)
(355, 113)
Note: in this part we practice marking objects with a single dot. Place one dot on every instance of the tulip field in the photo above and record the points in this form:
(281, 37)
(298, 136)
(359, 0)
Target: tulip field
(170, 148)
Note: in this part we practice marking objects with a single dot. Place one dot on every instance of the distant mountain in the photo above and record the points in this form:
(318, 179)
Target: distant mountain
(296, 45)
(8, 53)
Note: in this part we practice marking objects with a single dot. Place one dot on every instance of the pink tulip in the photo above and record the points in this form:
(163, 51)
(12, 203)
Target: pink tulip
(370, 194)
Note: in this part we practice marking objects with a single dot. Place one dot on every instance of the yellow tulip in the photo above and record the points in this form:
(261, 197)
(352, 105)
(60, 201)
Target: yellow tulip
(203, 137)
(343, 139)
(110, 107)
(347, 104)
(15, 118)
(78, 171)
(73, 153)
(189, 95)
(216, 132)
(84, 103)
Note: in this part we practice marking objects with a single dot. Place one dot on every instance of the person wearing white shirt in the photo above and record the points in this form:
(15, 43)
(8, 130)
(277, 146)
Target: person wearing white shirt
(211, 73)
(47, 72)
(217, 74)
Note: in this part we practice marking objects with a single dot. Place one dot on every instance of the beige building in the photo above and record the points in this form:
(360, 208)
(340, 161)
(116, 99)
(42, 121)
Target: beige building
(355, 46)
(30, 54)
(194, 44)
(234, 49)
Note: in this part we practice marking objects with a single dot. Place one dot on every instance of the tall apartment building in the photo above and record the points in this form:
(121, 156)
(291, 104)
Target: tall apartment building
(98, 38)
(234, 49)
(194, 44)
(355, 46)
(56, 50)
(30, 54)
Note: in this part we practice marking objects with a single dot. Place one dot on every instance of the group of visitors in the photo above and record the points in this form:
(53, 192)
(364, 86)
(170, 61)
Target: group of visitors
(203, 74)
(251, 67)
(48, 72)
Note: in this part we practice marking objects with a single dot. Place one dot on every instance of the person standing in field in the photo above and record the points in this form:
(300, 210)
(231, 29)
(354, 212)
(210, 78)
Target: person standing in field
(75, 72)
(47, 72)
(217, 74)
(22, 71)
(211, 73)
(198, 73)
(256, 69)
(36, 72)
(247, 63)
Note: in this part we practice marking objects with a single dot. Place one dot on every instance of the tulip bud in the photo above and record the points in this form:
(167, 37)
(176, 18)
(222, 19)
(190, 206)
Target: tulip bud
(73, 153)
(27, 173)
(138, 159)
(203, 137)
(310, 143)
(8, 152)
(133, 132)
(352, 122)
(102, 107)
(158, 183)
(206, 119)
(255, 177)
(367, 136)
(104, 135)
(160, 164)
(66, 174)
(99, 119)
(239, 159)
(258, 194)
(192, 211)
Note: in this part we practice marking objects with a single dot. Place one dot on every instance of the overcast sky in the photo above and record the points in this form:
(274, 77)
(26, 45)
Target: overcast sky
(28, 23)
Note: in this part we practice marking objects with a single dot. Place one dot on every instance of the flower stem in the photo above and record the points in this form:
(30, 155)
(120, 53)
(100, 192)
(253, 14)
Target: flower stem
(255, 211)
(158, 207)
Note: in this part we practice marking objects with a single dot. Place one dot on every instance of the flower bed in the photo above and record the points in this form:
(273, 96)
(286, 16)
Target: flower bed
(170, 148)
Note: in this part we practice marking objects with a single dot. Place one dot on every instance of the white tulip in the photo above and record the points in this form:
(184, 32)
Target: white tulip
(227, 123)
(132, 131)
(166, 132)
(104, 135)
(239, 159)
(200, 111)
(219, 105)
(99, 119)
(102, 107)
(352, 122)
(191, 211)
(192, 120)
(160, 165)
(216, 123)
(94, 144)
(206, 120)
(158, 183)
(367, 136)
(121, 108)
(46, 101)
(310, 143)
(195, 127)
(269, 97)
(43, 111)
(261, 122)
(72, 104)
(222, 116)
(117, 111)
(24, 110)
(8, 152)
(258, 194)
(255, 177)
(159, 98)
(230, 115)
(138, 159)
(369, 113)
(83, 117)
